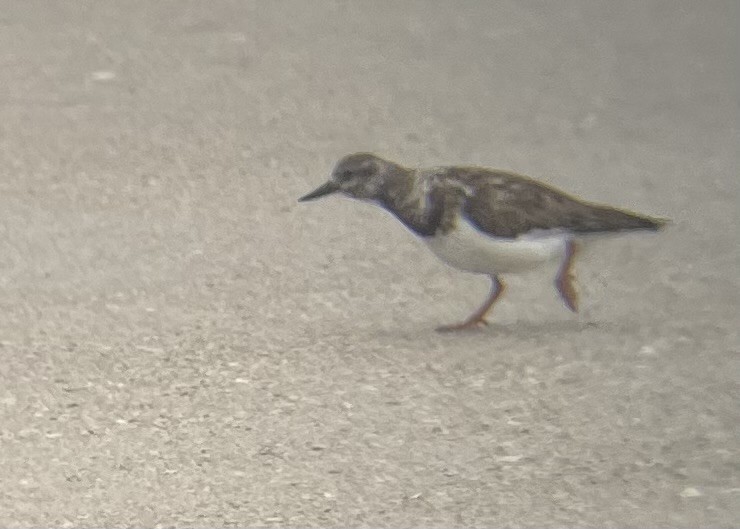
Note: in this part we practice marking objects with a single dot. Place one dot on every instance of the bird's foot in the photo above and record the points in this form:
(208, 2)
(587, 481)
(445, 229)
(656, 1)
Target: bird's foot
(568, 292)
(472, 323)
(566, 277)
(477, 319)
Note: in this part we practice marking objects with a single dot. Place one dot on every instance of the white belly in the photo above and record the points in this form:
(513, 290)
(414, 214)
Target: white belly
(468, 249)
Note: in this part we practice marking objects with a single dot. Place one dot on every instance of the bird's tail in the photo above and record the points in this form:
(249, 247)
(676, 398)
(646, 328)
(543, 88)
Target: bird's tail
(607, 219)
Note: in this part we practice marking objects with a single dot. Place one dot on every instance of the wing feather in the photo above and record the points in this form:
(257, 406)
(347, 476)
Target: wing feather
(508, 205)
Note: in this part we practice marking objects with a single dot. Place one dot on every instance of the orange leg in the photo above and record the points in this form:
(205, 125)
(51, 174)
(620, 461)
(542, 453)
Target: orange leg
(478, 317)
(564, 281)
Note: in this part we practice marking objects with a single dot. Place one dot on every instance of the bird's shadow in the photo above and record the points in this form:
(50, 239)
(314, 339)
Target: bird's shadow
(526, 328)
(521, 330)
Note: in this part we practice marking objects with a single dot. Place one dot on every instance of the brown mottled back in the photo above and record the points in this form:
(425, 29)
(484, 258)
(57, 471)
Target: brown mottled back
(508, 205)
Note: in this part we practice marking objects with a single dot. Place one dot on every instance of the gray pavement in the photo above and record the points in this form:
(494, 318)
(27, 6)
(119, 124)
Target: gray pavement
(182, 344)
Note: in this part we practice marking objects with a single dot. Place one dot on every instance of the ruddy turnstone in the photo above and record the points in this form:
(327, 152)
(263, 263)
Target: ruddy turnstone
(482, 220)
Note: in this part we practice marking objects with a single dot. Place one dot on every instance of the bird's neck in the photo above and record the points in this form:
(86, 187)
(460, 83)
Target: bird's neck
(405, 196)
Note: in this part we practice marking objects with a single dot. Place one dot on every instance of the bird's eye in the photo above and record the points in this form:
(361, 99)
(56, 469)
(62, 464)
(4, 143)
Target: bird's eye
(346, 174)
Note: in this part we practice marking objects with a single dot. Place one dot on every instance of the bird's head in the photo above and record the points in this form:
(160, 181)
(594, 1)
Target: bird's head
(360, 175)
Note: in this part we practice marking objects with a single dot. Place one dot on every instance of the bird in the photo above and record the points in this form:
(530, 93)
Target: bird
(485, 221)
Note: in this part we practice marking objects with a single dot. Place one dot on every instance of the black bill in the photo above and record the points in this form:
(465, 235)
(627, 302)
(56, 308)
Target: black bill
(326, 189)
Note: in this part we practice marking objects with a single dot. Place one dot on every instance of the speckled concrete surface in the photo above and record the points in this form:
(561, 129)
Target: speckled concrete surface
(182, 344)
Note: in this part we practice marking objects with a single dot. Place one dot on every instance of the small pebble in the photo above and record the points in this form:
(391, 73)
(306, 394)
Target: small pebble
(103, 75)
(690, 492)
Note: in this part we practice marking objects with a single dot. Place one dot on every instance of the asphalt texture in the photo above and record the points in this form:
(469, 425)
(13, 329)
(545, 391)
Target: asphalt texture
(183, 344)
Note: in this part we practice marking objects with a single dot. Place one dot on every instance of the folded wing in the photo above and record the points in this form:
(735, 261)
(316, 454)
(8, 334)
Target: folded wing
(509, 205)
